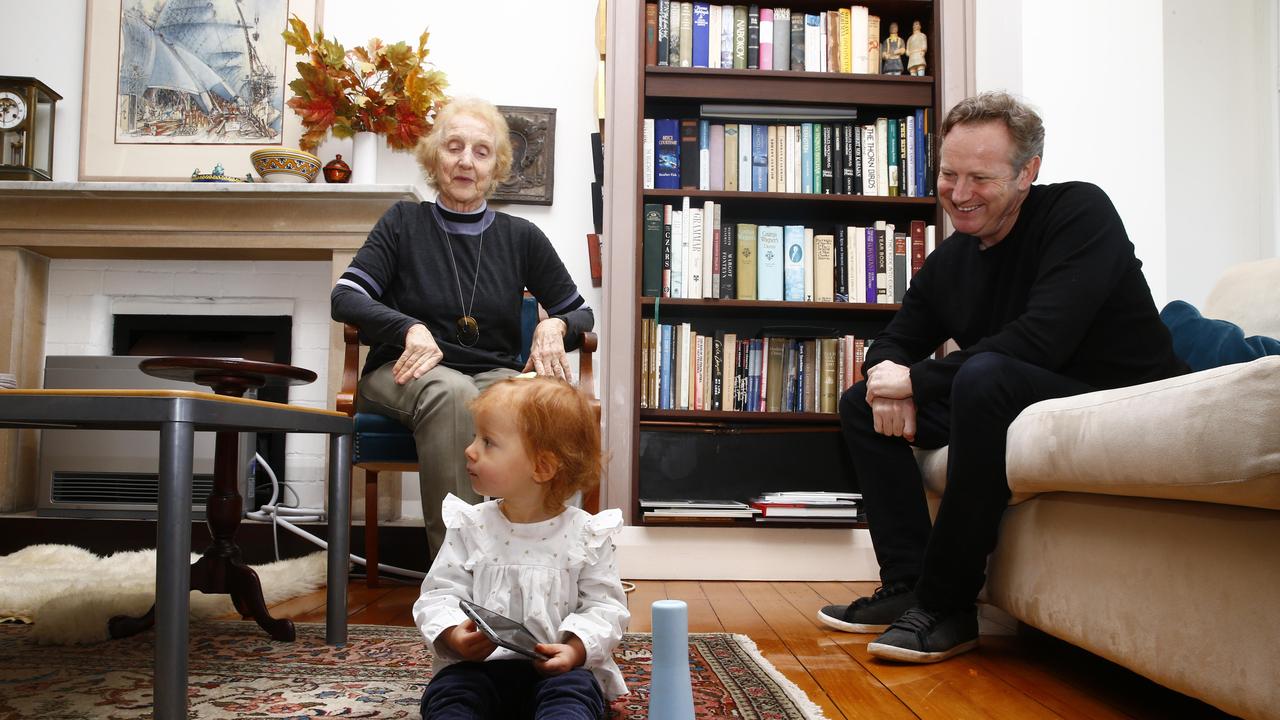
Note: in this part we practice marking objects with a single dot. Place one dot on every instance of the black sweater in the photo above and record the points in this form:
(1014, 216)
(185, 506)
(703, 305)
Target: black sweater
(404, 274)
(1063, 291)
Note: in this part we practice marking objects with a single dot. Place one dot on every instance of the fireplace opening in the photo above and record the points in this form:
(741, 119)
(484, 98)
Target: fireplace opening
(265, 338)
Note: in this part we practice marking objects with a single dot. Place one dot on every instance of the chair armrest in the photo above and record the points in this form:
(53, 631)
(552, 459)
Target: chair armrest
(1208, 436)
(346, 400)
(586, 374)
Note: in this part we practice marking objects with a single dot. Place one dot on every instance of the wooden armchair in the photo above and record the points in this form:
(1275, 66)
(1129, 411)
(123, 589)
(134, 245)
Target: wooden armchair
(382, 444)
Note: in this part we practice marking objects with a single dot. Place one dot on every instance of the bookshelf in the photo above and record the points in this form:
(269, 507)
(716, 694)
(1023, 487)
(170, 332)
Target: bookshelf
(736, 454)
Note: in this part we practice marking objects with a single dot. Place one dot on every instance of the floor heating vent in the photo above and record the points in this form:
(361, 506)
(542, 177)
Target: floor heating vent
(70, 492)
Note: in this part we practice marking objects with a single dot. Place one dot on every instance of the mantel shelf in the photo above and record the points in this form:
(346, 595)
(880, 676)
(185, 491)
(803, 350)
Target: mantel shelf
(177, 220)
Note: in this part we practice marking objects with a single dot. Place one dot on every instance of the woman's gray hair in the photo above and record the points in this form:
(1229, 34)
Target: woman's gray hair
(427, 151)
(1022, 121)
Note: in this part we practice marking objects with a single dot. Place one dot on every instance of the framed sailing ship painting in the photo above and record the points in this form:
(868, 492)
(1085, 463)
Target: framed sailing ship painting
(175, 86)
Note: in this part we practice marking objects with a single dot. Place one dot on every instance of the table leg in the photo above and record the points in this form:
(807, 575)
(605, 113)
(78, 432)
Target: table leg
(335, 630)
(173, 569)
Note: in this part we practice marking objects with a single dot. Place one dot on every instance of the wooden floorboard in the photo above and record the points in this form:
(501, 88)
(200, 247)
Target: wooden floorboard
(1027, 675)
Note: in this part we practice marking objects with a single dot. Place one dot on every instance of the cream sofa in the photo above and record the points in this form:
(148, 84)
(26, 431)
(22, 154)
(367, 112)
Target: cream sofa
(1145, 521)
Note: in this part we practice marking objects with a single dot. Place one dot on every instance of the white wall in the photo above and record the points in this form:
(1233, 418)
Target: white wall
(1220, 132)
(1168, 105)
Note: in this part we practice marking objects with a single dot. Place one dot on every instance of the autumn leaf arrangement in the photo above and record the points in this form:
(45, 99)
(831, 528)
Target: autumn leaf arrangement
(390, 90)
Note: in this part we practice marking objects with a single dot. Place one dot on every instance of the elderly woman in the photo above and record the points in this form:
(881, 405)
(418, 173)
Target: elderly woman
(436, 290)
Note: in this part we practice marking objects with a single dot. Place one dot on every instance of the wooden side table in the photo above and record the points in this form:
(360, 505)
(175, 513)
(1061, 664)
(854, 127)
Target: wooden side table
(222, 570)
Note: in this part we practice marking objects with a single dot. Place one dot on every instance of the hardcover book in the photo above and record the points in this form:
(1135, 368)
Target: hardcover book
(793, 264)
(666, 154)
(769, 254)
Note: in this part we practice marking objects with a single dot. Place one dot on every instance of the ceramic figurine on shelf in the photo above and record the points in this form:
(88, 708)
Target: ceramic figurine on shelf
(218, 175)
(917, 44)
(337, 171)
(891, 52)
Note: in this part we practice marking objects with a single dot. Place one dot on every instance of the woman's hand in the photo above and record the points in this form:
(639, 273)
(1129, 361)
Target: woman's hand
(420, 355)
(561, 657)
(546, 352)
(468, 642)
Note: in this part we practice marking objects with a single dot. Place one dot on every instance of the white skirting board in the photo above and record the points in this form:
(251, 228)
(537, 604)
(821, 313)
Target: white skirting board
(727, 553)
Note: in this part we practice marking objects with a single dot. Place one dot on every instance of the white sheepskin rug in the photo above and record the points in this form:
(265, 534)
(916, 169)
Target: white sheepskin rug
(69, 593)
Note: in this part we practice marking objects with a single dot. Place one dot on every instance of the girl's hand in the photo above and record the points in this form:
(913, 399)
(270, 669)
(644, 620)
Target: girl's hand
(546, 351)
(468, 642)
(561, 657)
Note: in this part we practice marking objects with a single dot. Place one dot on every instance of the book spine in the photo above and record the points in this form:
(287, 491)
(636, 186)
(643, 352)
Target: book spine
(673, 40)
(666, 251)
(917, 246)
(828, 160)
(753, 37)
(651, 284)
(901, 266)
(717, 369)
(781, 39)
(716, 159)
(837, 160)
(729, 261)
(686, 34)
(824, 268)
(714, 13)
(747, 272)
(846, 156)
(730, 169)
(704, 155)
(840, 247)
(650, 34)
(766, 38)
(793, 264)
(744, 157)
(769, 253)
(727, 32)
(663, 43)
(759, 158)
(648, 150)
(701, 13)
(689, 154)
(739, 37)
(797, 41)
(873, 292)
(894, 157)
(667, 154)
(846, 41)
(806, 157)
(813, 43)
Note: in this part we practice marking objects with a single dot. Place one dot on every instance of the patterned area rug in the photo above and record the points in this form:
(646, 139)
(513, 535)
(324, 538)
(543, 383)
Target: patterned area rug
(237, 672)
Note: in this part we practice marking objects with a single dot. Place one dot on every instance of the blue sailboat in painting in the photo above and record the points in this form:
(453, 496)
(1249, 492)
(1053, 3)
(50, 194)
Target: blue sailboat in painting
(201, 71)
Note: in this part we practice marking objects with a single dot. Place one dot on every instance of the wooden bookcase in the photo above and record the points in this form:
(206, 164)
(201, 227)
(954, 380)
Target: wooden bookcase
(731, 454)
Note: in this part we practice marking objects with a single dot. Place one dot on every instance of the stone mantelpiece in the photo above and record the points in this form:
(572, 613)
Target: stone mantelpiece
(159, 221)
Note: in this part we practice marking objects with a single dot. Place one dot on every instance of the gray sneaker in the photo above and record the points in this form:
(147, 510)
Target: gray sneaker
(871, 614)
(922, 636)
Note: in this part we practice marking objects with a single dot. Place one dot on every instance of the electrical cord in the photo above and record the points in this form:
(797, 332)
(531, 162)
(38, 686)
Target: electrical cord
(276, 515)
(272, 513)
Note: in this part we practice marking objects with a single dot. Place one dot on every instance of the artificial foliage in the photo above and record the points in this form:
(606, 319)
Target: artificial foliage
(390, 90)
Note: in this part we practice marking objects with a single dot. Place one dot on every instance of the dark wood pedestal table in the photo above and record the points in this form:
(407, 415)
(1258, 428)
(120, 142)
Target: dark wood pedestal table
(178, 415)
(222, 570)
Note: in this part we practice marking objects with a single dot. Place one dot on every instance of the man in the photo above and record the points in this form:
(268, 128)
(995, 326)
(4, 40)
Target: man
(1040, 288)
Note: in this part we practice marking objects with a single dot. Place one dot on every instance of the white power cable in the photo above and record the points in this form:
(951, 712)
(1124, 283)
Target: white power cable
(273, 513)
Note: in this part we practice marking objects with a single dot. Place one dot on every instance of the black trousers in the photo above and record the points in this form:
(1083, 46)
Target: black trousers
(946, 561)
(511, 689)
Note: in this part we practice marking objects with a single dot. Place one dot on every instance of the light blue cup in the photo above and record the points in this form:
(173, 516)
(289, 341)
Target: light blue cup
(670, 690)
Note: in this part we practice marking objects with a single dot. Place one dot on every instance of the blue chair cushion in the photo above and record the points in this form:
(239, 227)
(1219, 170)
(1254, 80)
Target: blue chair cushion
(1204, 343)
(378, 438)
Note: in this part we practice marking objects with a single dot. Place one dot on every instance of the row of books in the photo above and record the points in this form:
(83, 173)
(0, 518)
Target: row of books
(814, 505)
(888, 157)
(695, 252)
(684, 369)
(699, 34)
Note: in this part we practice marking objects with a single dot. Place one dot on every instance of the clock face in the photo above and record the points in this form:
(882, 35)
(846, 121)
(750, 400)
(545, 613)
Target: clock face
(13, 110)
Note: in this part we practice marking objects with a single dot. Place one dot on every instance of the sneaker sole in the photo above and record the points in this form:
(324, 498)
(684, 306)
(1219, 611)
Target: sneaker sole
(893, 652)
(843, 626)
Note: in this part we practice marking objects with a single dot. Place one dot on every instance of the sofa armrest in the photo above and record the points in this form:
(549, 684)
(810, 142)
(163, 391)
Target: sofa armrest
(1210, 436)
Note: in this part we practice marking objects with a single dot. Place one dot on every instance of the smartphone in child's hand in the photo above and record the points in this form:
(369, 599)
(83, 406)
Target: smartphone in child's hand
(502, 630)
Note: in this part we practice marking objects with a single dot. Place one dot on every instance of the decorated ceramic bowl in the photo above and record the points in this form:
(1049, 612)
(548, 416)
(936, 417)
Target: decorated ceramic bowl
(285, 165)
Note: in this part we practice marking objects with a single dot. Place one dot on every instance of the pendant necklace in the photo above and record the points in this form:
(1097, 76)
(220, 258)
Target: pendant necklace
(468, 328)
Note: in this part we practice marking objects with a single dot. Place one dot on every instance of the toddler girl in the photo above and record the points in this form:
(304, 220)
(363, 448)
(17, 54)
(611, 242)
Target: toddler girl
(529, 557)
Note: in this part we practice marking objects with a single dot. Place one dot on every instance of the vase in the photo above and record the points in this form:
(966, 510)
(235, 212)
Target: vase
(364, 159)
(670, 687)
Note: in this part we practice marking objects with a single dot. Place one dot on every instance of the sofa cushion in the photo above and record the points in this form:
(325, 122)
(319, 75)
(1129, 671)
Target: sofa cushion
(1248, 294)
(1204, 343)
(1210, 436)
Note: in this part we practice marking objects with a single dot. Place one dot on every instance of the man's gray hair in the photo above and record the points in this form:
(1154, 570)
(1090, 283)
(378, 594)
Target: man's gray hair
(1022, 121)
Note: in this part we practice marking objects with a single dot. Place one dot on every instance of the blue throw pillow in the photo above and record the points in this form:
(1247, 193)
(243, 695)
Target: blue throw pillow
(1204, 343)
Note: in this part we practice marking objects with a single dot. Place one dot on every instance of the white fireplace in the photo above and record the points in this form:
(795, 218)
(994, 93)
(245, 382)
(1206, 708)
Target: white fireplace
(85, 295)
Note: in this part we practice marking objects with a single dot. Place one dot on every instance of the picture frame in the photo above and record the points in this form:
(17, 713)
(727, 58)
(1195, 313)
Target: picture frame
(533, 145)
(121, 141)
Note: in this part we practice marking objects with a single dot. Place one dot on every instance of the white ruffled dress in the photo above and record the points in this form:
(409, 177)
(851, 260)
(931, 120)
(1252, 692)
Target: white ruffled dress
(557, 576)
